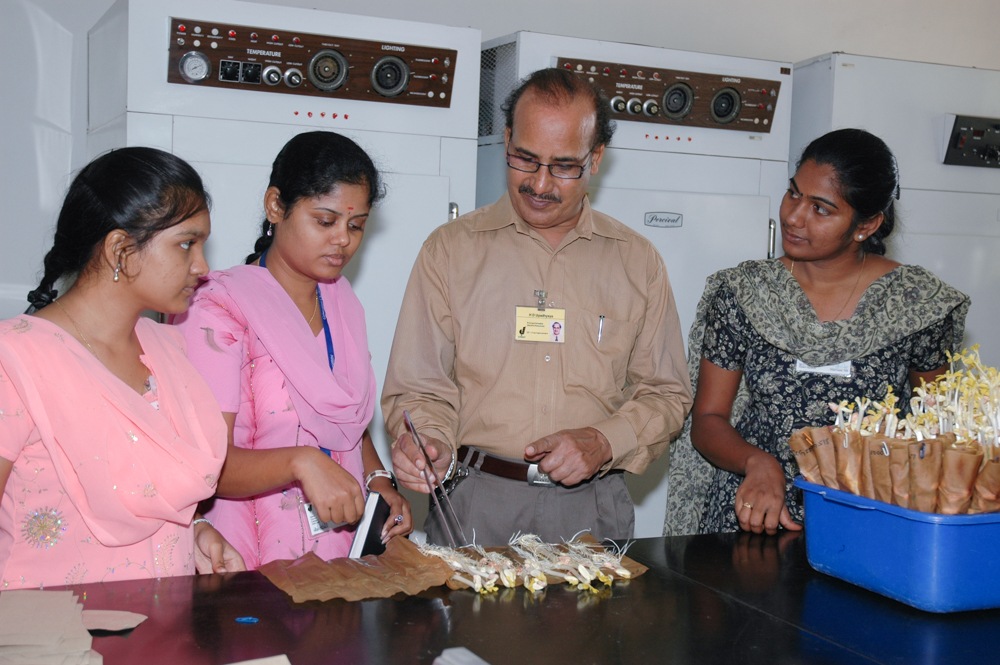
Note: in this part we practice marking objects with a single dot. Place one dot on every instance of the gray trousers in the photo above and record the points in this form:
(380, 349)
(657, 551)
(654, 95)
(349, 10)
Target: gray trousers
(492, 509)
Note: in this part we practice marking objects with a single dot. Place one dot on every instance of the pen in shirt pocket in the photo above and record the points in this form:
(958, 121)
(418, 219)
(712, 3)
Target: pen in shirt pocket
(600, 328)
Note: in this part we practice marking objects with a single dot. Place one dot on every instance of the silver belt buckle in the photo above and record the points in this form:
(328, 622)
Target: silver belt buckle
(538, 478)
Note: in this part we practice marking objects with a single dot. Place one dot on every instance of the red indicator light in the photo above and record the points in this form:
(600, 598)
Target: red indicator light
(435, 61)
(274, 38)
(254, 36)
(607, 70)
(333, 115)
(624, 72)
(232, 33)
(182, 28)
(296, 40)
(310, 114)
(566, 65)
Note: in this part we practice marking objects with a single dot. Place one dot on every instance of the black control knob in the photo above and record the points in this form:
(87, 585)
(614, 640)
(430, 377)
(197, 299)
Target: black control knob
(677, 101)
(725, 105)
(390, 76)
(634, 106)
(328, 70)
(618, 104)
(651, 107)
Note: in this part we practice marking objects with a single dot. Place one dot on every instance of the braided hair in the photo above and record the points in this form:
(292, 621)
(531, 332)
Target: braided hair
(141, 191)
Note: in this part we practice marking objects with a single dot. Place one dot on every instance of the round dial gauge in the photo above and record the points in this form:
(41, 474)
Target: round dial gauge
(195, 66)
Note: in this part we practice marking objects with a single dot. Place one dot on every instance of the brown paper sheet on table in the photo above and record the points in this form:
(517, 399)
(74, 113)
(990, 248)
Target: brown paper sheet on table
(986, 491)
(400, 569)
(925, 474)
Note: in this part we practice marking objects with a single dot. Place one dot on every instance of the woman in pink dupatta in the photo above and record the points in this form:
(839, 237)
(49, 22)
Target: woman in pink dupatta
(109, 438)
(282, 342)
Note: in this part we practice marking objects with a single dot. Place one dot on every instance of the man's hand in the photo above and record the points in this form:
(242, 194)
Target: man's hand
(570, 456)
(409, 465)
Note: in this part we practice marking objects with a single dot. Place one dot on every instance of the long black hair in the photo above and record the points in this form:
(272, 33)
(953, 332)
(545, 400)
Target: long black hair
(312, 164)
(867, 174)
(140, 191)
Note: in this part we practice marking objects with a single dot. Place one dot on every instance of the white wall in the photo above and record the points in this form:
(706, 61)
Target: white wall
(43, 114)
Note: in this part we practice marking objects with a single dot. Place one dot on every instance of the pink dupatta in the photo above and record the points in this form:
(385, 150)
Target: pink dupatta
(127, 467)
(343, 400)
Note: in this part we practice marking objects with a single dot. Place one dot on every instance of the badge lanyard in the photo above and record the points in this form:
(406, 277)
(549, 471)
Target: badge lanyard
(330, 356)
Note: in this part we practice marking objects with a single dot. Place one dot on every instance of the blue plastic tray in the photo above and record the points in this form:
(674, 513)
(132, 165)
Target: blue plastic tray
(937, 563)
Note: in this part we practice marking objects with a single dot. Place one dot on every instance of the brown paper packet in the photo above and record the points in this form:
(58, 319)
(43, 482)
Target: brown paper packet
(960, 464)
(867, 485)
(801, 445)
(848, 450)
(925, 474)
(878, 468)
(826, 458)
(986, 491)
(899, 469)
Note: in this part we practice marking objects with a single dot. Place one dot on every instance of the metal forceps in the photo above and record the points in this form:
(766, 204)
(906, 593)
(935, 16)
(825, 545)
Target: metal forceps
(447, 512)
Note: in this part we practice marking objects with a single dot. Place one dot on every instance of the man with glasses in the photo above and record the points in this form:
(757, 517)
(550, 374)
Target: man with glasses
(528, 434)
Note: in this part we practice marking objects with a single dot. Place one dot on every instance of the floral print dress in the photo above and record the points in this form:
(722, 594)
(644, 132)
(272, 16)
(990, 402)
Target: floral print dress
(756, 318)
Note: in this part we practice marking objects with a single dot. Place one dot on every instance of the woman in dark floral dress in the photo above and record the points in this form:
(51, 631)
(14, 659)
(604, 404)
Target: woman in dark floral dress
(777, 340)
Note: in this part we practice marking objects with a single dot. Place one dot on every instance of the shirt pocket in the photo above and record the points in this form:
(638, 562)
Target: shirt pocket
(600, 347)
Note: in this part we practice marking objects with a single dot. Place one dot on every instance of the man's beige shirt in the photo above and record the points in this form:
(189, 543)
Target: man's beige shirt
(456, 367)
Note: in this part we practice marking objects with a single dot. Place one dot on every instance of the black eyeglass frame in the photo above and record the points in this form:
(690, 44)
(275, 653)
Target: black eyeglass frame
(538, 165)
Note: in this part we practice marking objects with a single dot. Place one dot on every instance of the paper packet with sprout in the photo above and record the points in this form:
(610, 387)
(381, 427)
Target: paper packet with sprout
(986, 491)
(804, 452)
(960, 464)
(878, 468)
(925, 474)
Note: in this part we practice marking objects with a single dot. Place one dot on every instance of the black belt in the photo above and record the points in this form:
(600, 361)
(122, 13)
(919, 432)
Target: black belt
(496, 466)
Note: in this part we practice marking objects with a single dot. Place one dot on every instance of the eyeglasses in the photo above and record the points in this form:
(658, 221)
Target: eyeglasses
(563, 171)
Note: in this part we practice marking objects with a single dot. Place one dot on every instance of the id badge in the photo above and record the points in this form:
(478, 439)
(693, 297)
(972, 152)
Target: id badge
(843, 369)
(318, 527)
(532, 324)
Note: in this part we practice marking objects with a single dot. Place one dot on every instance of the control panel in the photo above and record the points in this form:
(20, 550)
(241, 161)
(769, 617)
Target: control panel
(974, 142)
(684, 98)
(207, 53)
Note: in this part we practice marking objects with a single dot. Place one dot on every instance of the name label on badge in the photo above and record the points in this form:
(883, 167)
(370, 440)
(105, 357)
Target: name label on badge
(843, 369)
(532, 324)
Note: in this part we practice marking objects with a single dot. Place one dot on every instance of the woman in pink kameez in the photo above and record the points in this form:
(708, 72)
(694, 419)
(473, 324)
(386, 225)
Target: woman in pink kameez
(283, 343)
(109, 438)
